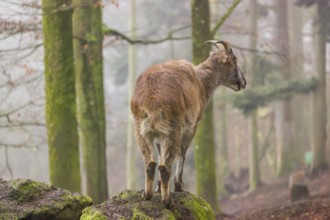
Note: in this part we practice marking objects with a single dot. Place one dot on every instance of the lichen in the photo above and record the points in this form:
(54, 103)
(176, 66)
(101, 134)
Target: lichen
(25, 199)
(127, 194)
(61, 114)
(91, 213)
(176, 214)
(139, 215)
(25, 190)
(129, 205)
(168, 215)
(200, 209)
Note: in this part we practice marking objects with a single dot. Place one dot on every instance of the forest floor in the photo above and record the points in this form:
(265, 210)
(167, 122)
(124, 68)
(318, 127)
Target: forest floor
(272, 201)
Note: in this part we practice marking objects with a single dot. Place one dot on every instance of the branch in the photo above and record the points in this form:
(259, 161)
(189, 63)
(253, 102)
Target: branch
(252, 99)
(112, 32)
(21, 124)
(17, 145)
(12, 111)
(257, 51)
(16, 49)
(224, 18)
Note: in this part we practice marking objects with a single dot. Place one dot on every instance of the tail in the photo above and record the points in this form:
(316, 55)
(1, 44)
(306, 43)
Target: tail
(154, 123)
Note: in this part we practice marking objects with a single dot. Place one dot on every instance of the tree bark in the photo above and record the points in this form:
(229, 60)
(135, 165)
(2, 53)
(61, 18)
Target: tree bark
(222, 154)
(319, 99)
(254, 170)
(63, 144)
(204, 139)
(284, 117)
(131, 150)
(88, 36)
(301, 118)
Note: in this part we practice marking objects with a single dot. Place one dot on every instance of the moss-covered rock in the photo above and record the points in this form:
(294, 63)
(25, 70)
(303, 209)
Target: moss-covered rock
(129, 205)
(28, 199)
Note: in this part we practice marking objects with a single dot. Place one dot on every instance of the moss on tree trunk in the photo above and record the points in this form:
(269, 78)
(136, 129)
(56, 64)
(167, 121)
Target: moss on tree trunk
(88, 38)
(205, 161)
(204, 139)
(222, 154)
(60, 96)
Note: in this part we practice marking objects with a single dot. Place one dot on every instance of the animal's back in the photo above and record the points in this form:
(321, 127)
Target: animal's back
(168, 91)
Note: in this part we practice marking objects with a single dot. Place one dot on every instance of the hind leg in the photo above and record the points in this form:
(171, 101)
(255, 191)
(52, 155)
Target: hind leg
(185, 142)
(146, 149)
(169, 148)
(178, 182)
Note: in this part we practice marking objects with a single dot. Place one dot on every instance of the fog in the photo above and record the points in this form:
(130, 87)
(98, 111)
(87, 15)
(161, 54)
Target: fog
(23, 134)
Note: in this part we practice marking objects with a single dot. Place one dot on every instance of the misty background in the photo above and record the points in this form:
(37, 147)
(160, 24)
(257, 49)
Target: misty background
(23, 137)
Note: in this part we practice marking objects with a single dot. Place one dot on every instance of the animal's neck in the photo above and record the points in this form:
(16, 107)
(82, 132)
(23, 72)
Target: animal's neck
(210, 78)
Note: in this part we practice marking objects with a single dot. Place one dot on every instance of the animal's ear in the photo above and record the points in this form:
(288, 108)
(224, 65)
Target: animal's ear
(224, 58)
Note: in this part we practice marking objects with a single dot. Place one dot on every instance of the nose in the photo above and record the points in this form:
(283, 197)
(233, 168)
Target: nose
(243, 82)
(241, 78)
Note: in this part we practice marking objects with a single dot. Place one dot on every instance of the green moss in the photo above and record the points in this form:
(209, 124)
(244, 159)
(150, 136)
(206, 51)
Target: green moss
(91, 213)
(205, 160)
(128, 205)
(62, 131)
(8, 216)
(25, 190)
(87, 25)
(139, 215)
(128, 194)
(168, 215)
(176, 214)
(80, 200)
(24, 198)
(200, 209)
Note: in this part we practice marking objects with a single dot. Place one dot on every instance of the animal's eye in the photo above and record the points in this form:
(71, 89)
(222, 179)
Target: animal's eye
(234, 59)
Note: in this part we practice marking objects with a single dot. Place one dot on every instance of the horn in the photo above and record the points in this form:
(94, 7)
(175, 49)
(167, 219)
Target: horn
(215, 42)
(212, 42)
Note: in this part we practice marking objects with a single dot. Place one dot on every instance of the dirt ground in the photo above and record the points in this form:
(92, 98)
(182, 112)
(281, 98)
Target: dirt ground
(273, 202)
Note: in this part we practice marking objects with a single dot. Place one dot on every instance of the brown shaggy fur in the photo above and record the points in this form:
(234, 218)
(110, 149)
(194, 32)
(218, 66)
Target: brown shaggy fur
(168, 102)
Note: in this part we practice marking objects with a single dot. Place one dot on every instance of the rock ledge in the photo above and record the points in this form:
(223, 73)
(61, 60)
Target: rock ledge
(129, 205)
(28, 199)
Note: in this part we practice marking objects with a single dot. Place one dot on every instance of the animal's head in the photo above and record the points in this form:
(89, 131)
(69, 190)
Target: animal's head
(232, 77)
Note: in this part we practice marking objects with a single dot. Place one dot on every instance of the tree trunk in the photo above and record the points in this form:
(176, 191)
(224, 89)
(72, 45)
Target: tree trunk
(64, 166)
(131, 150)
(254, 170)
(284, 115)
(222, 155)
(301, 118)
(87, 31)
(204, 139)
(221, 143)
(320, 100)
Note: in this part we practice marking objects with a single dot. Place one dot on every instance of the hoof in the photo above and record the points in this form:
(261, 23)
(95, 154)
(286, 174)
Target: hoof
(168, 203)
(146, 196)
(178, 187)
